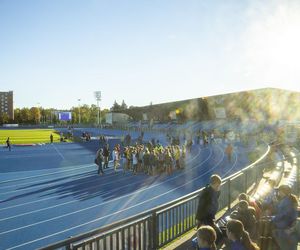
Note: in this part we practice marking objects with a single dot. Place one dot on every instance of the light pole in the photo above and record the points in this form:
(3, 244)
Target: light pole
(79, 118)
(98, 99)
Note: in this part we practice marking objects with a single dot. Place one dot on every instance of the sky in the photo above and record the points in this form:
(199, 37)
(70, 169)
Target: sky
(54, 52)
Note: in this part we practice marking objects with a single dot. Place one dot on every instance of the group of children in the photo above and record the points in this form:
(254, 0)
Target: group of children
(148, 159)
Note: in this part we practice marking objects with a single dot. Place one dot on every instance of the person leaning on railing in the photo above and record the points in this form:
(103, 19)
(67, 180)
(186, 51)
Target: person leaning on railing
(209, 204)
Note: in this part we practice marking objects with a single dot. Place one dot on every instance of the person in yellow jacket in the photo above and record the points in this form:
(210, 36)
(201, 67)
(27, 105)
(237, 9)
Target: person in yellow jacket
(177, 157)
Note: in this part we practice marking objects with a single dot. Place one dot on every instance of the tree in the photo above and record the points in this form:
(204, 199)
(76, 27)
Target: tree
(35, 115)
(17, 115)
(4, 118)
(93, 114)
(24, 115)
(123, 105)
(115, 107)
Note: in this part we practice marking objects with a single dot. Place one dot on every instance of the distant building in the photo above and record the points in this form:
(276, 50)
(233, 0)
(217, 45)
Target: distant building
(116, 118)
(6, 104)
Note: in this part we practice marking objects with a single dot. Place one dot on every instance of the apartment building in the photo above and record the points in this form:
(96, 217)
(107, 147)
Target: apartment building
(6, 104)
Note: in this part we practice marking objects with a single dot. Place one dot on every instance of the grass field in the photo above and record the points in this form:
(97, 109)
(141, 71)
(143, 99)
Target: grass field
(28, 136)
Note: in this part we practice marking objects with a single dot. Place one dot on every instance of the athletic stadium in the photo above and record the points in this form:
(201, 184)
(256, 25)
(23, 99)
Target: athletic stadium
(159, 160)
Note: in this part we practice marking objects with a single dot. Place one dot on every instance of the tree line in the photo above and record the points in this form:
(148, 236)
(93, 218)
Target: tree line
(39, 115)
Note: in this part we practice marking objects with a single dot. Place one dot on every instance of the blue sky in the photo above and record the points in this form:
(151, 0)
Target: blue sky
(53, 52)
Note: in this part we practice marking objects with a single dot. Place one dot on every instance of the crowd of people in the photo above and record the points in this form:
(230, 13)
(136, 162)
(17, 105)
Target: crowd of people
(243, 229)
(86, 136)
(203, 138)
(147, 158)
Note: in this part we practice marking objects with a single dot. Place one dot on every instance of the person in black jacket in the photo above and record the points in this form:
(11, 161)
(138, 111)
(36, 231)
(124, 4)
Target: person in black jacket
(105, 154)
(99, 161)
(209, 204)
(8, 145)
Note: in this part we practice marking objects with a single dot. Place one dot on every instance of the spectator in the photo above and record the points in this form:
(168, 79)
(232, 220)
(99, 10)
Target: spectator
(177, 156)
(61, 136)
(252, 203)
(115, 157)
(212, 138)
(106, 153)
(198, 135)
(285, 219)
(146, 160)
(134, 161)
(239, 239)
(246, 215)
(228, 151)
(189, 145)
(51, 138)
(168, 162)
(99, 161)
(206, 237)
(269, 202)
(208, 205)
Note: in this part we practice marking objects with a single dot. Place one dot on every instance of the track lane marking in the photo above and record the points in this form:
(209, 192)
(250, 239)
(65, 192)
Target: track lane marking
(119, 211)
(107, 202)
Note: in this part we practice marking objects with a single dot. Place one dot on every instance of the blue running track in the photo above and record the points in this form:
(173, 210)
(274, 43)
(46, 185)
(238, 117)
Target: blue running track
(51, 192)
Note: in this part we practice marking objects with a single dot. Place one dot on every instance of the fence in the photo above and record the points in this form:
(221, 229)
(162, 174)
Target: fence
(157, 227)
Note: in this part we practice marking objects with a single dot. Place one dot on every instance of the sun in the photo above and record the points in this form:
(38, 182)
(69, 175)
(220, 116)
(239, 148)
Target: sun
(272, 46)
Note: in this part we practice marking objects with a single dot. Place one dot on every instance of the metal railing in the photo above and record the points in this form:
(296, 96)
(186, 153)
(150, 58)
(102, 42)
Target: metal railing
(157, 227)
(135, 235)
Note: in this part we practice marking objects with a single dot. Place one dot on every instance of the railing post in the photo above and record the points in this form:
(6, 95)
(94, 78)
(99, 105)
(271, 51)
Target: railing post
(298, 176)
(256, 175)
(69, 246)
(246, 180)
(229, 196)
(154, 231)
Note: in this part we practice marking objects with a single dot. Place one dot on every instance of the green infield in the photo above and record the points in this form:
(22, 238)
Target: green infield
(28, 136)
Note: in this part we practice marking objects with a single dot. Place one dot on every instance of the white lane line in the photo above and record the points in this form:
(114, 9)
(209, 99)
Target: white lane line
(18, 156)
(71, 176)
(58, 183)
(65, 194)
(73, 201)
(115, 213)
(41, 155)
(88, 188)
(47, 185)
(56, 172)
(58, 151)
(57, 196)
(67, 169)
(50, 184)
(48, 179)
(101, 204)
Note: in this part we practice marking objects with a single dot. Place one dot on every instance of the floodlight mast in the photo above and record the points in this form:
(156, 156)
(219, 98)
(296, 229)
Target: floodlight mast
(79, 118)
(98, 99)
